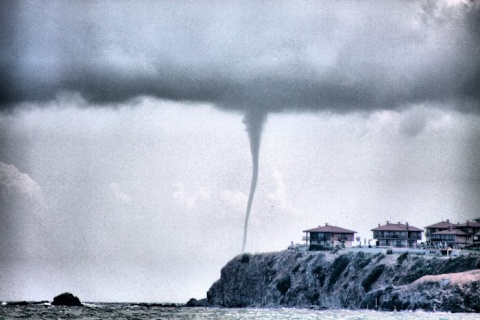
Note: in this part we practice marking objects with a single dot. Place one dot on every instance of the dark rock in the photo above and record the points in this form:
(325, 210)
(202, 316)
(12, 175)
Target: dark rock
(317, 308)
(66, 299)
(197, 303)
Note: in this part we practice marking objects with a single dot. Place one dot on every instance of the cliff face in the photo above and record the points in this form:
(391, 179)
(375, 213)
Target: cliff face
(349, 280)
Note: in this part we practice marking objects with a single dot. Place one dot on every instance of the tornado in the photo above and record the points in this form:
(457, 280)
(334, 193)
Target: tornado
(253, 120)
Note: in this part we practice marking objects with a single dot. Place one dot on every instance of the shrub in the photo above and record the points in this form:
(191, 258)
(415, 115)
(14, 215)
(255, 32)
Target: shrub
(336, 249)
(295, 270)
(372, 277)
(460, 264)
(416, 271)
(320, 275)
(362, 261)
(379, 256)
(338, 266)
(245, 258)
(319, 247)
(284, 284)
(402, 257)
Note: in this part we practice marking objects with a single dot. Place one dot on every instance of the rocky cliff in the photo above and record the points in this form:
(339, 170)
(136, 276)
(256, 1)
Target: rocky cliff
(349, 280)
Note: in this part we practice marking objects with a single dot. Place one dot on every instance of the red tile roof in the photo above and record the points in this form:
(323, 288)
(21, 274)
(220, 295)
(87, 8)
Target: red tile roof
(441, 225)
(457, 232)
(330, 229)
(468, 224)
(396, 227)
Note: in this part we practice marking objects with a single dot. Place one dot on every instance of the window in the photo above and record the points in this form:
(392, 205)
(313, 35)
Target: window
(443, 237)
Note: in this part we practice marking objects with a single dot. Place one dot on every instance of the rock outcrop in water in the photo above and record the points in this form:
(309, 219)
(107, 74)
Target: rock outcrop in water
(66, 299)
(197, 303)
(349, 280)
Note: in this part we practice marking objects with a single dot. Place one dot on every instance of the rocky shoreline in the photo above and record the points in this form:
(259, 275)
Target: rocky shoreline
(341, 280)
(351, 280)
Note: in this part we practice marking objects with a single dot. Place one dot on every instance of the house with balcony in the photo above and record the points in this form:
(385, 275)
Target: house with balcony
(437, 227)
(397, 235)
(472, 228)
(329, 236)
(453, 237)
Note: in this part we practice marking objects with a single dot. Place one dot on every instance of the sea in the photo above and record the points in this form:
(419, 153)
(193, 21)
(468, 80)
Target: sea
(132, 311)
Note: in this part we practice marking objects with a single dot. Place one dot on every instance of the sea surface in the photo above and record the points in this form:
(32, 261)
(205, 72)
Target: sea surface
(129, 311)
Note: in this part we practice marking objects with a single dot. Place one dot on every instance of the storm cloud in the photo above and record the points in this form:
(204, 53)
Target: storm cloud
(126, 117)
(242, 55)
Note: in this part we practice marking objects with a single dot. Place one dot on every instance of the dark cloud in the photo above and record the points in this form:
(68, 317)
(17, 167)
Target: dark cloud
(241, 55)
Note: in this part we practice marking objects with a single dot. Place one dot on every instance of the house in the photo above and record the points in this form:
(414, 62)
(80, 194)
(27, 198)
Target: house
(472, 228)
(329, 236)
(437, 227)
(458, 235)
(397, 235)
(452, 237)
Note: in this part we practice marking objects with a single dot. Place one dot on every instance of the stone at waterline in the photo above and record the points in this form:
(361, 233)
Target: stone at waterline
(197, 303)
(66, 299)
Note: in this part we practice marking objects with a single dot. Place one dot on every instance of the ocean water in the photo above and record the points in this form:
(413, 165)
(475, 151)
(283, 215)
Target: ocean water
(129, 311)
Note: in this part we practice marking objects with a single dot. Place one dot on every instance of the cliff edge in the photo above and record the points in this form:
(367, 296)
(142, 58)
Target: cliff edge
(350, 280)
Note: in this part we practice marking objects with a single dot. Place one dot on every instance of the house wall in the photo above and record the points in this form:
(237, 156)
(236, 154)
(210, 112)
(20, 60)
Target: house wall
(473, 231)
(455, 241)
(347, 244)
(397, 239)
(430, 231)
(331, 239)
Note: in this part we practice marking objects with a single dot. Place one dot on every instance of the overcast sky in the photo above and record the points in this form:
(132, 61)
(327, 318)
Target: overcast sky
(125, 164)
